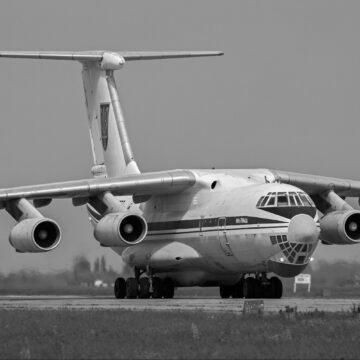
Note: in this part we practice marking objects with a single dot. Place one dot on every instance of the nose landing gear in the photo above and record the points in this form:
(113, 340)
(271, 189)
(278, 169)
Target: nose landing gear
(276, 287)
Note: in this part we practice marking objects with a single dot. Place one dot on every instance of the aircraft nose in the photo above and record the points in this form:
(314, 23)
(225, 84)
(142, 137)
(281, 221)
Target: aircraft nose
(303, 229)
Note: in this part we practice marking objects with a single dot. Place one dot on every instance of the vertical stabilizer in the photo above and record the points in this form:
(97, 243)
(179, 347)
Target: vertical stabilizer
(109, 139)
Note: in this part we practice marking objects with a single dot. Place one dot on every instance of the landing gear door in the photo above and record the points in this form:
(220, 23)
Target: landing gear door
(222, 235)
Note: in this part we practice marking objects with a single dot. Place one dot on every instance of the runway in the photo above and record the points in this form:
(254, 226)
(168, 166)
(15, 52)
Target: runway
(180, 304)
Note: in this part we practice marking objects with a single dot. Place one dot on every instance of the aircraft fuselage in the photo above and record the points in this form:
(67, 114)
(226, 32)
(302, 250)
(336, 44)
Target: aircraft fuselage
(222, 228)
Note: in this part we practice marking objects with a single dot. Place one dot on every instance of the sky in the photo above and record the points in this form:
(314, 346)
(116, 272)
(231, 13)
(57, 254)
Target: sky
(285, 96)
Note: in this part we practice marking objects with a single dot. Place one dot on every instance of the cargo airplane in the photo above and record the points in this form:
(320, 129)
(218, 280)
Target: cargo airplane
(176, 228)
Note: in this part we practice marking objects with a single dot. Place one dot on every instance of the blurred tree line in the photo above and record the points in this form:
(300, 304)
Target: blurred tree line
(340, 277)
(82, 273)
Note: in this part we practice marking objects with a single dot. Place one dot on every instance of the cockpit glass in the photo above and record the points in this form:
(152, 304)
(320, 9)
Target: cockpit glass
(264, 200)
(271, 201)
(298, 201)
(282, 199)
(292, 199)
(304, 199)
(310, 200)
(259, 202)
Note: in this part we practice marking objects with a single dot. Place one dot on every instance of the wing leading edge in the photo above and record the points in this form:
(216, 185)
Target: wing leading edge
(97, 55)
(154, 183)
(314, 184)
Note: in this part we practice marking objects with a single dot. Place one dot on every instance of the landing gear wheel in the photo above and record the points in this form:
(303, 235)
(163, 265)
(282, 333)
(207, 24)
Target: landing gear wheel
(268, 290)
(258, 289)
(276, 287)
(168, 288)
(238, 290)
(120, 288)
(225, 291)
(157, 285)
(249, 288)
(144, 288)
(131, 288)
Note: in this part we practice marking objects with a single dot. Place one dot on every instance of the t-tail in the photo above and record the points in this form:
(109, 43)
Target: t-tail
(110, 143)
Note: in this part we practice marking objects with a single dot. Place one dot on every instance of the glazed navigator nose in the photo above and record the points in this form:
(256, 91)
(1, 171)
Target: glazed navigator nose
(303, 230)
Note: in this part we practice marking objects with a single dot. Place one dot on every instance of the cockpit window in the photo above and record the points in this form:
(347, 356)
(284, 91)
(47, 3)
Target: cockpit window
(264, 200)
(271, 201)
(304, 199)
(283, 199)
(298, 201)
(310, 200)
(292, 199)
(259, 202)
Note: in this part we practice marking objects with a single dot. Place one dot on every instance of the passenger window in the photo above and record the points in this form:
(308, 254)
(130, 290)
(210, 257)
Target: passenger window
(305, 200)
(282, 199)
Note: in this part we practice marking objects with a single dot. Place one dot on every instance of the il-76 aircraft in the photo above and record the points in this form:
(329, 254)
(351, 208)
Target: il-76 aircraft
(235, 229)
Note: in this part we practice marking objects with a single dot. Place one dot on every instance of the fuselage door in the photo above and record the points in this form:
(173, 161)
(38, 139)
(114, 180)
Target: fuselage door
(223, 239)
(201, 224)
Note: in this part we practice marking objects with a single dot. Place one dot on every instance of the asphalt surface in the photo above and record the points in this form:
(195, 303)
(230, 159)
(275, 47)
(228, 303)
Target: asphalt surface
(193, 304)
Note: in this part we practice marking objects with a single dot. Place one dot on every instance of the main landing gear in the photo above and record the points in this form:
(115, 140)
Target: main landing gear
(254, 288)
(131, 288)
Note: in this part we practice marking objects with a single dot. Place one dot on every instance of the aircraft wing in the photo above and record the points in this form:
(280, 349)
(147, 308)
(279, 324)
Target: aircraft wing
(154, 183)
(314, 184)
(98, 55)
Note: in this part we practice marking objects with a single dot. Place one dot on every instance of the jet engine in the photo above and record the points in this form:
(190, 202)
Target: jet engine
(340, 227)
(35, 235)
(121, 229)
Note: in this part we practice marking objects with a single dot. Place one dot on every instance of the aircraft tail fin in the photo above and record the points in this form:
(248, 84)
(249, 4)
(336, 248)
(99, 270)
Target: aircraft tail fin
(109, 139)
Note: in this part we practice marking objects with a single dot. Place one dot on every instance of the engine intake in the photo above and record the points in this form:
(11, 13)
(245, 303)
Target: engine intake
(35, 235)
(341, 227)
(121, 230)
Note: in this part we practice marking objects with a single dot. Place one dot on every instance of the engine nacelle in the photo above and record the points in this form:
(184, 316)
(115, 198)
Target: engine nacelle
(121, 230)
(35, 235)
(341, 227)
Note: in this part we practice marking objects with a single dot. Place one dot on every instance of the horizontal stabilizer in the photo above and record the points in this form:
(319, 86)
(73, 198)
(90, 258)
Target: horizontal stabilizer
(97, 55)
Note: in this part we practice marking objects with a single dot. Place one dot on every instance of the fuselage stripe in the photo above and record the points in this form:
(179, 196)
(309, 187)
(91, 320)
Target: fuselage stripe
(210, 222)
(242, 222)
(212, 230)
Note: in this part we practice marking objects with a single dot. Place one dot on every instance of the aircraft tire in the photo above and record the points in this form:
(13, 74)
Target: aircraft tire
(225, 291)
(279, 288)
(120, 288)
(238, 290)
(267, 291)
(157, 288)
(258, 290)
(168, 288)
(144, 288)
(131, 288)
(249, 288)
(276, 287)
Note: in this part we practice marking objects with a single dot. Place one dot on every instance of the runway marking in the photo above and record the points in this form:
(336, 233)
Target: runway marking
(179, 304)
